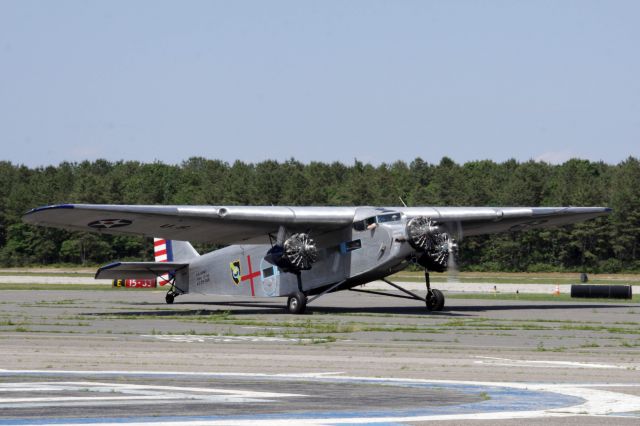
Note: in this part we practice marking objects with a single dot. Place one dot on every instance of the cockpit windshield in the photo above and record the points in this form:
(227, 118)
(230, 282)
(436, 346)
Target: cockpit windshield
(361, 225)
(391, 217)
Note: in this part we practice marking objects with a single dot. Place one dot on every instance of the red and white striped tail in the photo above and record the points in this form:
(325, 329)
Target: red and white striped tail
(162, 252)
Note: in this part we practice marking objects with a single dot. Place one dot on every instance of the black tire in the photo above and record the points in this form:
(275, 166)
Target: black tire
(297, 303)
(169, 298)
(431, 302)
(439, 300)
(435, 300)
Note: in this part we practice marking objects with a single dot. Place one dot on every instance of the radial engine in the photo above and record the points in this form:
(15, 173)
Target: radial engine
(434, 246)
(296, 253)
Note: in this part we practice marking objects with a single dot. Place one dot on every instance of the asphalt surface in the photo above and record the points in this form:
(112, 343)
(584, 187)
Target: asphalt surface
(123, 356)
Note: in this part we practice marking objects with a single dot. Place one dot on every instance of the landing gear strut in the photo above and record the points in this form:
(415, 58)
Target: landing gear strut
(297, 302)
(173, 292)
(435, 298)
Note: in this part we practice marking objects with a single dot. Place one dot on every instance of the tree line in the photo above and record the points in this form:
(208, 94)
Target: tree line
(608, 244)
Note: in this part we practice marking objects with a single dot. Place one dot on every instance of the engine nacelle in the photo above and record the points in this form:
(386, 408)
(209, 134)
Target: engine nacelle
(435, 245)
(297, 253)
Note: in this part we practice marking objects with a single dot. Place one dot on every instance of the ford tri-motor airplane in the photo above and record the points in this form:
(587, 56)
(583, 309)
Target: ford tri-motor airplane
(296, 252)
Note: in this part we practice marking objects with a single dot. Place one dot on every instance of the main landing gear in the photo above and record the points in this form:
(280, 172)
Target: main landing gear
(297, 303)
(434, 300)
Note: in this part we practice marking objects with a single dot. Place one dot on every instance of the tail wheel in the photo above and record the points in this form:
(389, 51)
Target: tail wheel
(297, 303)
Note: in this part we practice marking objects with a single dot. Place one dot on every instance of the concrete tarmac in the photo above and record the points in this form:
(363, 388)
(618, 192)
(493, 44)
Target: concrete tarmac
(124, 356)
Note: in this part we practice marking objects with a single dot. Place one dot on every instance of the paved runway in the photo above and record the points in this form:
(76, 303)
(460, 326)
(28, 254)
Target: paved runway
(545, 286)
(121, 356)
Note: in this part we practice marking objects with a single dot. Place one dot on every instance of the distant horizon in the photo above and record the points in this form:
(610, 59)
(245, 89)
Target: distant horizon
(354, 161)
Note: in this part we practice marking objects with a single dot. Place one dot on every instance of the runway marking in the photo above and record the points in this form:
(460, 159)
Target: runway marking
(507, 400)
(188, 338)
(125, 394)
(506, 362)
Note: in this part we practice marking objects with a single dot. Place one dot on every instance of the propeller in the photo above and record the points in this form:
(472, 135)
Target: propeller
(300, 251)
(423, 233)
(438, 248)
(452, 264)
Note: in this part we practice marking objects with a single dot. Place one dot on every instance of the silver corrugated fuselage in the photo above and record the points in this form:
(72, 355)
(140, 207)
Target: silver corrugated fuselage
(347, 255)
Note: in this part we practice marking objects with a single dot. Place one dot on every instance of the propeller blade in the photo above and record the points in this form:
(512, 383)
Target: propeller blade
(452, 265)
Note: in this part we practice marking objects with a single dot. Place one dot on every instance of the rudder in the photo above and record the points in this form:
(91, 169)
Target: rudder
(172, 251)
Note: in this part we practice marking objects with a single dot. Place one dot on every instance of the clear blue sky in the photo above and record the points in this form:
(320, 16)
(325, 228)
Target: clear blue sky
(319, 80)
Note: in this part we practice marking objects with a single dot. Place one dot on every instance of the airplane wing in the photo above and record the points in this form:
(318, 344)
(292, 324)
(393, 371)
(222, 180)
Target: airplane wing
(138, 270)
(223, 225)
(237, 224)
(489, 220)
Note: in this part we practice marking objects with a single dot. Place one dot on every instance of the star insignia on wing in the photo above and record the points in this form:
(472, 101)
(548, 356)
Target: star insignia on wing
(109, 223)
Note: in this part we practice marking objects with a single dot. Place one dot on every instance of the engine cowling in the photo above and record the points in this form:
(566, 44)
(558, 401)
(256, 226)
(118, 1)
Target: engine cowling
(300, 250)
(427, 238)
(297, 253)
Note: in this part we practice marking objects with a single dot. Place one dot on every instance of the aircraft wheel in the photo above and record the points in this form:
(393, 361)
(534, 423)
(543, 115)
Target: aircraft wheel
(297, 303)
(169, 298)
(439, 300)
(435, 300)
(431, 301)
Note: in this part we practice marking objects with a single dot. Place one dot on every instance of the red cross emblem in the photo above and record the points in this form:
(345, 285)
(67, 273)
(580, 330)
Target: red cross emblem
(250, 276)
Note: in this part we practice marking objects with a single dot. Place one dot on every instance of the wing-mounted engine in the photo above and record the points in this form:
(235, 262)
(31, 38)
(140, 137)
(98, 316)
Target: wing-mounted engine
(435, 245)
(296, 253)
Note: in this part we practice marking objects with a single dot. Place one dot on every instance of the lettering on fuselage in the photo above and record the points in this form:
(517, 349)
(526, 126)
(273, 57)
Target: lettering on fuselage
(202, 277)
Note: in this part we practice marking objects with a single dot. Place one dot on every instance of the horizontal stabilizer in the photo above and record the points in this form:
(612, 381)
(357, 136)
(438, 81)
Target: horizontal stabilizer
(138, 270)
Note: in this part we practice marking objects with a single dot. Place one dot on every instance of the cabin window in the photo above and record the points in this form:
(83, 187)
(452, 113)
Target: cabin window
(391, 217)
(267, 272)
(350, 246)
(361, 225)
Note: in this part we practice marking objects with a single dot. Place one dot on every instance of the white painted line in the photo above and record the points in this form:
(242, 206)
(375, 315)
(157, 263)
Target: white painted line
(81, 398)
(126, 394)
(188, 338)
(50, 279)
(124, 387)
(312, 375)
(505, 362)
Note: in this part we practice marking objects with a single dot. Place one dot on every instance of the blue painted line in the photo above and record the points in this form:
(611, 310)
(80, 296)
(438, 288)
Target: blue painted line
(55, 206)
(169, 246)
(634, 414)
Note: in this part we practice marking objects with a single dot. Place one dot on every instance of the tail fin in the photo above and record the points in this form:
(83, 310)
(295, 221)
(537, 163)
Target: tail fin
(172, 251)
